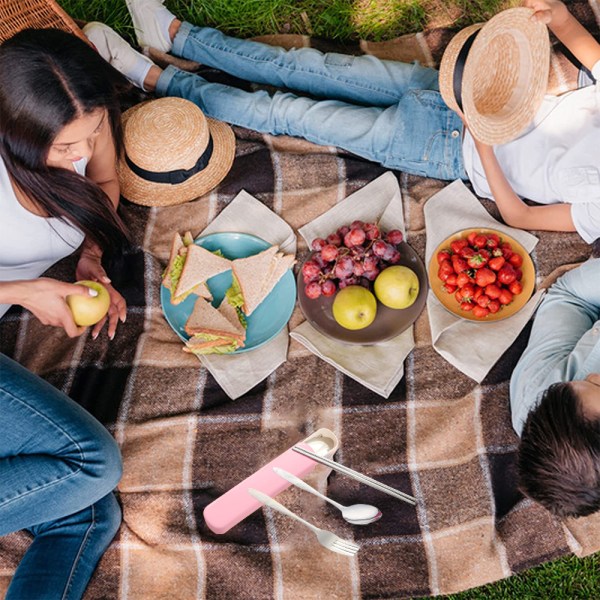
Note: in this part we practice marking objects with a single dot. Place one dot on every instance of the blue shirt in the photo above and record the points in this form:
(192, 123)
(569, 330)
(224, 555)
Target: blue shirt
(565, 340)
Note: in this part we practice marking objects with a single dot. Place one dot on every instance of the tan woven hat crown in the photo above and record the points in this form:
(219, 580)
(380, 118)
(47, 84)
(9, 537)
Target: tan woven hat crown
(173, 153)
(504, 65)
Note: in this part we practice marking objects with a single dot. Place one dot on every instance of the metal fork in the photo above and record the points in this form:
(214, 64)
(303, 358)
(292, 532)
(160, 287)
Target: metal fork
(327, 539)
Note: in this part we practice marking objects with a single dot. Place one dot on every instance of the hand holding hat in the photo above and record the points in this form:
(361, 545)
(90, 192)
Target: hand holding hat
(497, 74)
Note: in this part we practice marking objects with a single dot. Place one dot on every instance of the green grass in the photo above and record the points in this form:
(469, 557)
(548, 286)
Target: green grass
(568, 578)
(341, 20)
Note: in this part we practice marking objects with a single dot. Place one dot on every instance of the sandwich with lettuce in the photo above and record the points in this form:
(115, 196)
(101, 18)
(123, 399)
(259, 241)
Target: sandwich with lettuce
(189, 267)
(214, 330)
(255, 276)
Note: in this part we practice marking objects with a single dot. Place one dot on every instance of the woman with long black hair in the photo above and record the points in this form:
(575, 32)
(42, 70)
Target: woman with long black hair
(59, 140)
(60, 134)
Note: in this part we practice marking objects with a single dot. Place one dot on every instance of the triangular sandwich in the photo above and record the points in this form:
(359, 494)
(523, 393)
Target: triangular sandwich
(233, 316)
(255, 276)
(174, 269)
(214, 331)
(200, 264)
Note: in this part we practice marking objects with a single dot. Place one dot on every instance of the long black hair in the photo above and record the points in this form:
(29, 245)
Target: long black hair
(48, 78)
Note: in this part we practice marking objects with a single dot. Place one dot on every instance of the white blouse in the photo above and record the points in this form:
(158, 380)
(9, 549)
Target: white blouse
(31, 244)
(556, 159)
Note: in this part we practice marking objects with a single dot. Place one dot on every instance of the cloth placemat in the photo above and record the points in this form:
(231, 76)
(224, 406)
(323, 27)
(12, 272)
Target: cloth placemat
(452, 209)
(239, 373)
(379, 367)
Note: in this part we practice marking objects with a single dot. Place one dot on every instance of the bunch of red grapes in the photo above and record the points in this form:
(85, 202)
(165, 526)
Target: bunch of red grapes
(353, 255)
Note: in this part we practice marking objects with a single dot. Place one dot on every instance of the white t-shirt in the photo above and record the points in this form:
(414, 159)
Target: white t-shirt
(556, 160)
(30, 244)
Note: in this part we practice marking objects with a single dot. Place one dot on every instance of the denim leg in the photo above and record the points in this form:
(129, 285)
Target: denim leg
(56, 461)
(358, 129)
(419, 135)
(64, 553)
(363, 79)
(55, 458)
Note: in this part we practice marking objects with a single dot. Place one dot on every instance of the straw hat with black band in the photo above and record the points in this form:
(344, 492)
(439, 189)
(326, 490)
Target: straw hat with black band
(173, 153)
(496, 74)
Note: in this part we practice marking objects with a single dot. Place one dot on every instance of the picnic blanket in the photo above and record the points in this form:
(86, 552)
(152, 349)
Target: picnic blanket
(439, 435)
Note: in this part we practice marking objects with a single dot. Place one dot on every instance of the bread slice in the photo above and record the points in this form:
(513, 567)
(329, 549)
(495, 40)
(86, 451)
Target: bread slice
(177, 255)
(200, 265)
(201, 347)
(199, 342)
(231, 314)
(200, 290)
(250, 273)
(205, 318)
(257, 275)
(282, 264)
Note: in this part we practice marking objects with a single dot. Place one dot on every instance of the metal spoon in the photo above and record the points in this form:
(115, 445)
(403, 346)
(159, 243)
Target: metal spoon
(357, 514)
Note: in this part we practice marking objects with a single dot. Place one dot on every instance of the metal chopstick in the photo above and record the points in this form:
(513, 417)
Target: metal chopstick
(382, 487)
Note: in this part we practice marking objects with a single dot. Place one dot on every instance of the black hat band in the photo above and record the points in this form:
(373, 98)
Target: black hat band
(176, 176)
(459, 67)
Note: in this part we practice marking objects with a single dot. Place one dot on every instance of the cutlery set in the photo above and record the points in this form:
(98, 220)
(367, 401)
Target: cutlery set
(356, 514)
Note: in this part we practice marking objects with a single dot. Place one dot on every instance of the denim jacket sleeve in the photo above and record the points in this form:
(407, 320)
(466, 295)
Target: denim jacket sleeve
(564, 344)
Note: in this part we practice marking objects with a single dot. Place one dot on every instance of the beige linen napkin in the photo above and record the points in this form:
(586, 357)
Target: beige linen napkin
(471, 347)
(241, 372)
(379, 367)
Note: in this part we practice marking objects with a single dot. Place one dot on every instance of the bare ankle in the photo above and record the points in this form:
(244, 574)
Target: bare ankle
(174, 28)
(151, 78)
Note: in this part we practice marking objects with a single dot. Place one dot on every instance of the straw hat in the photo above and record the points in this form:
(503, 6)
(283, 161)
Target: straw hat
(504, 65)
(173, 153)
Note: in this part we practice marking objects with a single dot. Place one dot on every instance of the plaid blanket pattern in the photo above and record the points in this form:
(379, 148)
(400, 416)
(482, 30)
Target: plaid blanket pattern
(439, 436)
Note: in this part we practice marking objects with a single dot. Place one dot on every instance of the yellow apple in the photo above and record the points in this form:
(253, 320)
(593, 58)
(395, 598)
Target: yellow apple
(88, 310)
(354, 307)
(397, 287)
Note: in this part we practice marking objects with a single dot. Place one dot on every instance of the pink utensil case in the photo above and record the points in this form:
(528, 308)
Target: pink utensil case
(236, 504)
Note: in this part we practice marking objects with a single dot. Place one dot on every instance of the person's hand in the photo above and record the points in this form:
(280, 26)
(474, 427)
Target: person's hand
(46, 299)
(90, 267)
(550, 12)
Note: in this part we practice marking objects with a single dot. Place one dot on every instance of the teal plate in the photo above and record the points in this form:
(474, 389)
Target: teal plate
(266, 321)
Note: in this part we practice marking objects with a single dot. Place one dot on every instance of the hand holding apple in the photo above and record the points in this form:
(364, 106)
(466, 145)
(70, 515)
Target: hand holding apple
(46, 299)
(89, 309)
(90, 268)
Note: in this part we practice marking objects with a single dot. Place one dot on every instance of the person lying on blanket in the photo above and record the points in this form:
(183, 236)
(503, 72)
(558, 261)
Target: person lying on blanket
(366, 106)
(555, 397)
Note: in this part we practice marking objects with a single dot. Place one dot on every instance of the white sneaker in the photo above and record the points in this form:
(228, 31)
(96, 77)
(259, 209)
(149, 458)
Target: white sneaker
(115, 50)
(151, 22)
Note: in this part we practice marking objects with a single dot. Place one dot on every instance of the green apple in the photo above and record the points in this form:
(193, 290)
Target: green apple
(397, 287)
(354, 307)
(88, 310)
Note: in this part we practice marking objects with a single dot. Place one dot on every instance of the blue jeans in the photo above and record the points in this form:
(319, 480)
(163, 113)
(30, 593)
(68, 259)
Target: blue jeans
(385, 111)
(58, 467)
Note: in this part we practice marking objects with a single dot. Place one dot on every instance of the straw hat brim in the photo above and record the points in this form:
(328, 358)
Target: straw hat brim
(448, 63)
(505, 75)
(148, 193)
